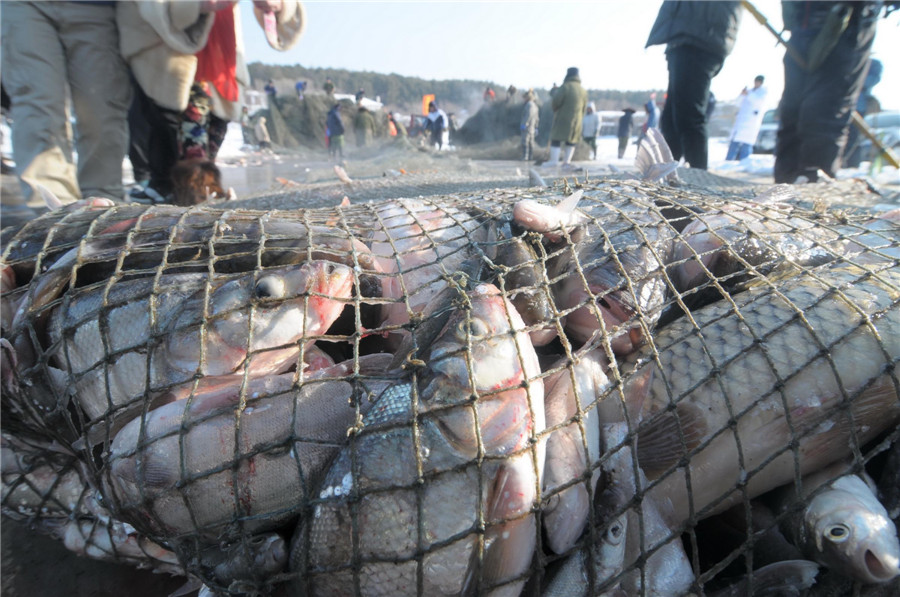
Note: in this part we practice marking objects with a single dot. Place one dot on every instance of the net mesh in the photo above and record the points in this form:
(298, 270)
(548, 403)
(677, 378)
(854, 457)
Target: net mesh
(468, 393)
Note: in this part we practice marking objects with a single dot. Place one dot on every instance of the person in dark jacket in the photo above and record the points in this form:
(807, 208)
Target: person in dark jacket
(824, 70)
(335, 129)
(569, 103)
(364, 126)
(698, 37)
(626, 123)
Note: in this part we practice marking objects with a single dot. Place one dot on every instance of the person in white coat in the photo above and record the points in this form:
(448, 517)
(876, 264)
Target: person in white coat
(748, 120)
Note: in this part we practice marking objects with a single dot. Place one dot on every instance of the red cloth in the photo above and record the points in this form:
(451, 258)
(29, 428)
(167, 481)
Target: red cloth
(217, 62)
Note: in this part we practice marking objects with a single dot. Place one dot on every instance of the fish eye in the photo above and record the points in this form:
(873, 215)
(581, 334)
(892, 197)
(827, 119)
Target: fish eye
(615, 533)
(476, 329)
(837, 533)
(269, 287)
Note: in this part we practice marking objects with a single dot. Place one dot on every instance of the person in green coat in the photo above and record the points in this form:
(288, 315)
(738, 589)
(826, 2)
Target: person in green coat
(364, 126)
(569, 103)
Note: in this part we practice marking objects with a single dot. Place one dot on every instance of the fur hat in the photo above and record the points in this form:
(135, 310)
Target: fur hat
(572, 72)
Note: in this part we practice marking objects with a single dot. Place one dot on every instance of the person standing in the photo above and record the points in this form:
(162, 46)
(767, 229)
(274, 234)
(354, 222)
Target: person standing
(437, 122)
(246, 127)
(335, 127)
(262, 134)
(698, 37)
(824, 70)
(652, 120)
(47, 48)
(363, 126)
(748, 120)
(626, 124)
(531, 117)
(590, 128)
(569, 102)
(172, 45)
(328, 86)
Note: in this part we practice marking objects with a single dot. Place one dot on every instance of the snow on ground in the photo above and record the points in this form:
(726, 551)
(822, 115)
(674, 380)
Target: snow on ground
(757, 164)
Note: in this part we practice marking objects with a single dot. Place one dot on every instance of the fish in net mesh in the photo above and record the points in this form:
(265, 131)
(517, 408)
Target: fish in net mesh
(611, 387)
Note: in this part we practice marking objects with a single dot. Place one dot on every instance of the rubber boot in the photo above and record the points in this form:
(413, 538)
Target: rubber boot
(570, 151)
(553, 162)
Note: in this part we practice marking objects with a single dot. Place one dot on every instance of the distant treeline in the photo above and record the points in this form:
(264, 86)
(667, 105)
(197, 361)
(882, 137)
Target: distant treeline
(405, 93)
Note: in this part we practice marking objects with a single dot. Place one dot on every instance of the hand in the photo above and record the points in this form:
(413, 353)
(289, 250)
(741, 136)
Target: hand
(269, 5)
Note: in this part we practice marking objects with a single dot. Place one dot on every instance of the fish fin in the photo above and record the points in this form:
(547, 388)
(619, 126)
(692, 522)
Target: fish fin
(660, 442)
(342, 175)
(8, 368)
(654, 158)
(780, 193)
(509, 540)
(568, 204)
(876, 402)
(535, 178)
(50, 200)
(153, 474)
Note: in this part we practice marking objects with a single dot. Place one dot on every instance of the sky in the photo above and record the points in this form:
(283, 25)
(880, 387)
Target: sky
(531, 44)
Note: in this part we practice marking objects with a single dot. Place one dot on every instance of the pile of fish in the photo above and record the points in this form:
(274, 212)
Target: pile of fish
(552, 391)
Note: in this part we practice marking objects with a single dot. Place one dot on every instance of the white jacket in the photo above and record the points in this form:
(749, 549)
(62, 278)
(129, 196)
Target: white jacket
(159, 40)
(749, 116)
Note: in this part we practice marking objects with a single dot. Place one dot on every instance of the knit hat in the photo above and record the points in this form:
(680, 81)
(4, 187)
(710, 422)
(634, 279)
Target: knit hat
(572, 72)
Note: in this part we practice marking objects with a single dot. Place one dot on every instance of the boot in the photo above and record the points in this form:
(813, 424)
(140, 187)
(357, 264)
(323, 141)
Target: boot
(554, 157)
(570, 151)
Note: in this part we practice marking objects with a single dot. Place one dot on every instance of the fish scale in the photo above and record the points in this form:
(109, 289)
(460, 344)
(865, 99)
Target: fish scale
(806, 365)
(740, 368)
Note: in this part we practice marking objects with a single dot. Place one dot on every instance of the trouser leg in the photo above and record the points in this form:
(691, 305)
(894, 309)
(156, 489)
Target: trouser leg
(139, 131)
(691, 71)
(34, 75)
(101, 94)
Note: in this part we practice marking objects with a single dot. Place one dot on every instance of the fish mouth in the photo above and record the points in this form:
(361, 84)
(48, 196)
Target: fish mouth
(881, 569)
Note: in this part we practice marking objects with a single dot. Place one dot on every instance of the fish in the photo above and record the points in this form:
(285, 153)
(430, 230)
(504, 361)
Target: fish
(796, 370)
(649, 558)
(417, 246)
(570, 401)
(111, 540)
(123, 341)
(752, 236)
(522, 276)
(446, 505)
(842, 525)
(612, 281)
(654, 159)
(551, 220)
(256, 559)
(233, 457)
(37, 482)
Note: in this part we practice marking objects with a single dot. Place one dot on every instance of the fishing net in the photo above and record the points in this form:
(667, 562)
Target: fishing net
(458, 393)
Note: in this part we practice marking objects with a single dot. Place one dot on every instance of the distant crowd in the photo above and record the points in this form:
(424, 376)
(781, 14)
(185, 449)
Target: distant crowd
(166, 77)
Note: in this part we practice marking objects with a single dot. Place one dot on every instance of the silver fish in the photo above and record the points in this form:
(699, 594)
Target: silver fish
(135, 339)
(256, 558)
(805, 361)
(403, 504)
(570, 395)
(231, 456)
(842, 525)
(754, 236)
(418, 246)
(664, 568)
